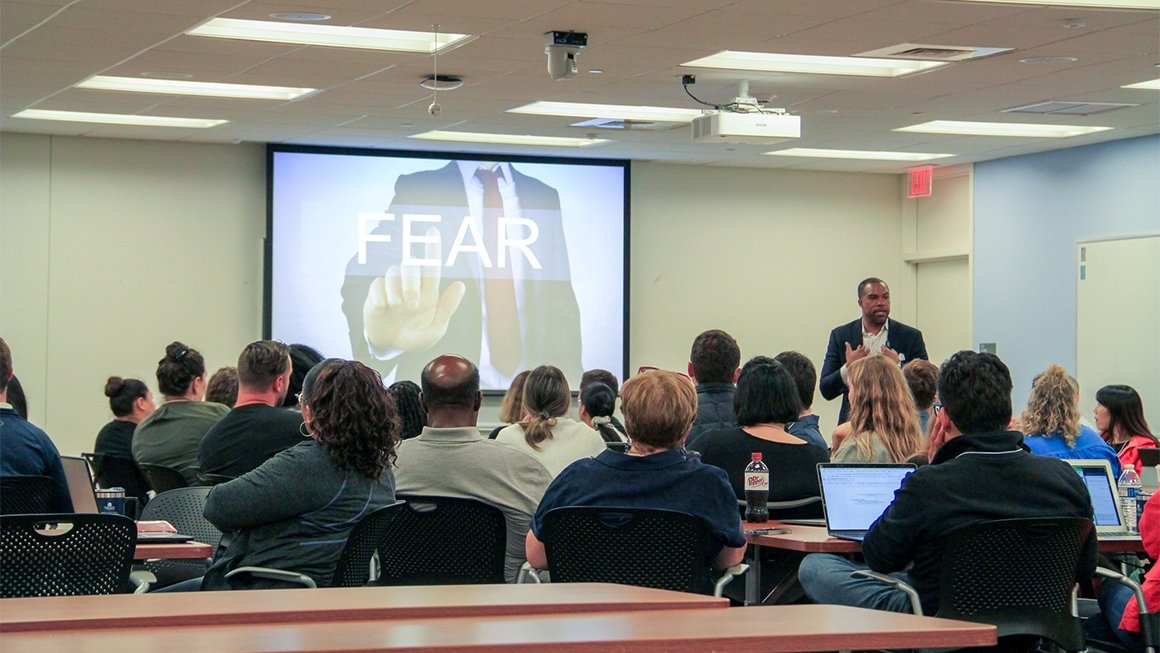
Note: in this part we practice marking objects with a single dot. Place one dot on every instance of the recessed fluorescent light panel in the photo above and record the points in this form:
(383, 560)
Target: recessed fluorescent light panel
(185, 87)
(618, 111)
(118, 119)
(1025, 130)
(508, 139)
(857, 154)
(1152, 85)
(1095, 4)
(334, 36)
(814, 64)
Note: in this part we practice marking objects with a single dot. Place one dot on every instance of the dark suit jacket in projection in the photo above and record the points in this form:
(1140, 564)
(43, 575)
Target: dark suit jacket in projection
(905, 340)
(551, 316)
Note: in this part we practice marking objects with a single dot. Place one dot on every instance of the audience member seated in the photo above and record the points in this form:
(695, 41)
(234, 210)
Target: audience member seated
(511, 410)
(223, 387)
(1119, 417)
(26, 450)
(1119, 618)
(767, 399)
(295, 511)
(1050, 421)
(131, 402)
(303, 358)
(170, 436)
(713, 363)
(658, 410)
(598, 375)
(546, 432)
(883, 426)
(412, 417)
(805, 378)
(597, 401)
(451, 459)
(258, 427)
(16, 397)
(922, 378)
(975, 471)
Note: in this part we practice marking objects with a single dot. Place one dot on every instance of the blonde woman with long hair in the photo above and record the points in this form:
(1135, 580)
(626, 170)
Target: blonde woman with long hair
(546, 431)
(1050, 422)
(883, 426)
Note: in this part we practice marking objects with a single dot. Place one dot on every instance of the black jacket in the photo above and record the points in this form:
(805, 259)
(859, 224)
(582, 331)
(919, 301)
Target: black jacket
(973, 478)
(906, 340)
(714, 412)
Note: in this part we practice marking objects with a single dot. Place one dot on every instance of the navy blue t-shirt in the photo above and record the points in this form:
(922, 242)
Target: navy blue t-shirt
(665, 480)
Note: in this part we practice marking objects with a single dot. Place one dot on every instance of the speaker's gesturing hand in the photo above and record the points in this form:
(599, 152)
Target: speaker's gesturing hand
(404, 310)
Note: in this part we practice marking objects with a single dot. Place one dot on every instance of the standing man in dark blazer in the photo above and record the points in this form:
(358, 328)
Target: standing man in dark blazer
(873, 333)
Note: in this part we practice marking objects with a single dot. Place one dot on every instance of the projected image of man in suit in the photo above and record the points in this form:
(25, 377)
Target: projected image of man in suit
(873, 333)
(471, 256)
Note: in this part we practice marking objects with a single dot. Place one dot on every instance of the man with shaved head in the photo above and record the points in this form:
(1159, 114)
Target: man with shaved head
(451, 458)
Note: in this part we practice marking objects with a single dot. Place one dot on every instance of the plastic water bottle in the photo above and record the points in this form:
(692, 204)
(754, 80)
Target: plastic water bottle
(1129, 487)
(757, 490)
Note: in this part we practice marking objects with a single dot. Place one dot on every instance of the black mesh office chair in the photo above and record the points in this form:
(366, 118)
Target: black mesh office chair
(1019, 574)
(118, 471)
(22, 495)
(444, 541)
(1149, 621)
(354, 569)
(162, 478)
(183, 508)
(664, 549)
(65, 555)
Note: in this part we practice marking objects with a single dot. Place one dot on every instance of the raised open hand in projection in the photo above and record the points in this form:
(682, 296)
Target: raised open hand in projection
(404, 310)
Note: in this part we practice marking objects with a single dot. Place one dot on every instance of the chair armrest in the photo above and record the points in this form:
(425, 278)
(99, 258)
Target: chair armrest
(915, 603)
(1136, 589)
(528, 571)
(727, 577)
(275, 574)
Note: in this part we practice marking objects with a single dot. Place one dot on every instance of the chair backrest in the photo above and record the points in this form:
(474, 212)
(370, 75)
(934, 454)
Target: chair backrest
(183, 508)
(807, 508)
(443, 541)
(162, 478)
(82, 554)
(647, 547)
(1017, 574)
(354, 565)
(214, 479)
(119, 471)
(22, 495)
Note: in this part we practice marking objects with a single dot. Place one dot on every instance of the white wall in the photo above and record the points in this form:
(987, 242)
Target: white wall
(1030, 211)
(109, 249)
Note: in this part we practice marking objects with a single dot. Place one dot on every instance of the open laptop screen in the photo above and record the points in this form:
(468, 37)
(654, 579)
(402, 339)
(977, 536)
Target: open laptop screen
(857, 494)
(80, 484)
(1097, 476)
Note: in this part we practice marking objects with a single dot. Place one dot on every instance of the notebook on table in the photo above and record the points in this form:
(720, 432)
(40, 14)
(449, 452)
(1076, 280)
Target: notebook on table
(1107, 518)
(854, 495)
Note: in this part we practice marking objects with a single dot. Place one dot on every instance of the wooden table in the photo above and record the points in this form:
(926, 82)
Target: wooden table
(185, 550)
(765, 629)
(815, 539)
(334, 604)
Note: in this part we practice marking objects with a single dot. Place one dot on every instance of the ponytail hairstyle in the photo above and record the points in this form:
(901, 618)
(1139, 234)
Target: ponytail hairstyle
(599, 401)
(123, 393)
(181, 365)
(1051, 408)
(546, 397)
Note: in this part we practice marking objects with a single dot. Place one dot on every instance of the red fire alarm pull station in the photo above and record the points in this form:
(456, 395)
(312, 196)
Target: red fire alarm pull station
(921, 182)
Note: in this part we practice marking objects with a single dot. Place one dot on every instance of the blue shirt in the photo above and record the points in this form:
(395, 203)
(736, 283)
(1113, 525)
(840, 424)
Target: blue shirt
(1088, 444)
(666, 480)
(806, 428)
(25, 450)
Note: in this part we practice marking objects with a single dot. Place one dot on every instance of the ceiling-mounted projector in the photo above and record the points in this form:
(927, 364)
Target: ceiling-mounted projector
(746, 128)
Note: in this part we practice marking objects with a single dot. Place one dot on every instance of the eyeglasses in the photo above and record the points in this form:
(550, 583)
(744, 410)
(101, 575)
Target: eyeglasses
(649, 368)
(936, 409)
(299, 398)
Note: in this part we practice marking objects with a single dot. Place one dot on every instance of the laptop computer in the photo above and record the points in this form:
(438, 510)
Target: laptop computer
(856, 494)
(1107, 518)
(80, 484)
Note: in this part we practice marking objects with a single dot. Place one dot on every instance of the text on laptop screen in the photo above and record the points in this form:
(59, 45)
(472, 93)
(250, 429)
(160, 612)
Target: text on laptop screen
(856, 496)
(1100, 488)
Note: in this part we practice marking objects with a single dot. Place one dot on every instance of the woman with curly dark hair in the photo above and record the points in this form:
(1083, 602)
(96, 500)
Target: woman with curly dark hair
(295, 511)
